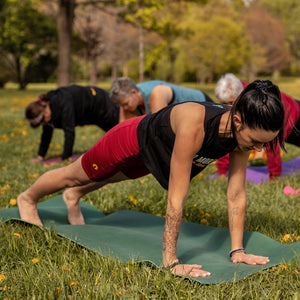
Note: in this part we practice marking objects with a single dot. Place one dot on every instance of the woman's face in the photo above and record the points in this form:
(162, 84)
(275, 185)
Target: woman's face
(131, 102)
(252, 139)
(47, 115)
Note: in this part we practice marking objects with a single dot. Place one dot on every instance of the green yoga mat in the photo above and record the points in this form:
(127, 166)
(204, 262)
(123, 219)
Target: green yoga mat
(129, 234)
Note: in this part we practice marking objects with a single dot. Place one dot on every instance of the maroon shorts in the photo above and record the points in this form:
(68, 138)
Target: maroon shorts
(116, 151)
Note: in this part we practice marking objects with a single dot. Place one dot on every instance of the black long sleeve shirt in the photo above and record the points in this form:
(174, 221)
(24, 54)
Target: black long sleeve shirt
(77, 106)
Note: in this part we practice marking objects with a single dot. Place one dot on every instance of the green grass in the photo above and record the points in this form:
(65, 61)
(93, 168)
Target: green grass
(35, 263)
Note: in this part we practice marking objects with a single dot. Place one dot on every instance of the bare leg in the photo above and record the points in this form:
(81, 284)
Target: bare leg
(49, 183)
(72, 195)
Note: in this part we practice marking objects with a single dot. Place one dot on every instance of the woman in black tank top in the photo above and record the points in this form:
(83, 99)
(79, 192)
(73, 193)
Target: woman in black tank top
(175, 144)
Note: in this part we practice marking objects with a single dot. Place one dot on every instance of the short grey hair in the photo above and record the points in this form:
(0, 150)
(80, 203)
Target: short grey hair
(228, 87)
(121, 87)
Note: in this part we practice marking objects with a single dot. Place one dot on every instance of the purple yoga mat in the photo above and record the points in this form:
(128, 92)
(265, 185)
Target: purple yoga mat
(57, 160)
(258, 175)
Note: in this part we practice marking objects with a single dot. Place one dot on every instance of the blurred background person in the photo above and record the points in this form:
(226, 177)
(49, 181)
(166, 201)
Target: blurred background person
(151, 96)
(227, 90)
(68, 107)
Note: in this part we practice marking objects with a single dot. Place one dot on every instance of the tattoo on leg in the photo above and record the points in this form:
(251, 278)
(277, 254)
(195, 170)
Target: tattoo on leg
(235, 212)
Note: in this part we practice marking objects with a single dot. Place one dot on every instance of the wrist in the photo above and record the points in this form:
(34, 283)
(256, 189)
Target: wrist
(171, 264)
(237, 250)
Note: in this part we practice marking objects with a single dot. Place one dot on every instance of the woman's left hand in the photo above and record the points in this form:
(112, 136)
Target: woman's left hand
(249, 259)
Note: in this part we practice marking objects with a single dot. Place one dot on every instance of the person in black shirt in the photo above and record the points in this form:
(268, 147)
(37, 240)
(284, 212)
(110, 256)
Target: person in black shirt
(174, 145)
(68, 107)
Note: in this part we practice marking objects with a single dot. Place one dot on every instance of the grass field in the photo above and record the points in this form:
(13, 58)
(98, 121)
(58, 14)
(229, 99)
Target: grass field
(35, 263)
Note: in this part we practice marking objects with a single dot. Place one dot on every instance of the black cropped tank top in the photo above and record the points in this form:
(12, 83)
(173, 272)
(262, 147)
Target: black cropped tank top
(156, 141)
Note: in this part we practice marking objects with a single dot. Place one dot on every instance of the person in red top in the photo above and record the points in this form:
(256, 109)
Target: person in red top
(228, 89)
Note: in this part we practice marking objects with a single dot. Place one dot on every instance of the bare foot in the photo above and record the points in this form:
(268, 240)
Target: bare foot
(28, 210)
(75, 216)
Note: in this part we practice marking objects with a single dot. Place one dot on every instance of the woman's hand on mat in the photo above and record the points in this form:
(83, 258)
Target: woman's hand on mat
(249, 259)
(189, 270)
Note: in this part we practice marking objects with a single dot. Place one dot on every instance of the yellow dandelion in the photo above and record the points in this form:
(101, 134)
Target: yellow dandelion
(58, 288)
(195, 205)
(12, 202)
(2, 277)
(131, 198)
(35, 260)
(3, 168)
(207, 215)
(142, 181)
(66, 269)
(297, 238)
(204, 222)
(187, 214)
(7, 187)
(34, 175)
(283, 266)
(135, 202)
(119, 293)
(286, 237)
(83, 137)
(74, 283)
(24, 133)
(159, 215)
(17, 234)
(49, 275)
(200, 175)
(72, 264)
(12, 134)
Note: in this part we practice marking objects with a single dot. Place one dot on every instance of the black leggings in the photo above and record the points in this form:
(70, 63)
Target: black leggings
(294, 137)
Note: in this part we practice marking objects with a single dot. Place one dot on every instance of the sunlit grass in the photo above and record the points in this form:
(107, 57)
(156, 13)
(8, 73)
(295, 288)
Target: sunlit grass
(36, 263)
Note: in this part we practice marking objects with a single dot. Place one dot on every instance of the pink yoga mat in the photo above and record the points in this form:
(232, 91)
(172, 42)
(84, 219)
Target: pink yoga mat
(57, 160)
(258, 175)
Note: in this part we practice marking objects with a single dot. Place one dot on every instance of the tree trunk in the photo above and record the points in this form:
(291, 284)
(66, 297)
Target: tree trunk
(141, 56)
(65, 19)
(93, 71)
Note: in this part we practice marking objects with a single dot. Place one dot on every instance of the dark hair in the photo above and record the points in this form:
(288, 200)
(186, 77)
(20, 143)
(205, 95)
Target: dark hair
(34, 111)
(260, 106)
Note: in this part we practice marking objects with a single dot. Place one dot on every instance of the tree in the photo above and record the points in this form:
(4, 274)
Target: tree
(288, 12)
(21, 45)
(215, 43)
(266, 32)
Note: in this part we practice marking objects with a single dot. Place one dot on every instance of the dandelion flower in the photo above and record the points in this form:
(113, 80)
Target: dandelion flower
(74, 283)
(35, 260)
(286, 237)
(204, 222)
(17, 234)
(2, 277)
(3, 168)
(119, 293)
(12, 202)
(58, 288)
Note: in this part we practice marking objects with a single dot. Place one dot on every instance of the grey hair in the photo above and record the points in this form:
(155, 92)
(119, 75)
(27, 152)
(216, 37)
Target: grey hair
(121, 87)
(228, 88)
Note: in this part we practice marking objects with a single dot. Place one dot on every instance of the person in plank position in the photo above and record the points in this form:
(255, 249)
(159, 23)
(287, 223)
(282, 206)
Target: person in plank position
(174, 145)
(150, 96)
